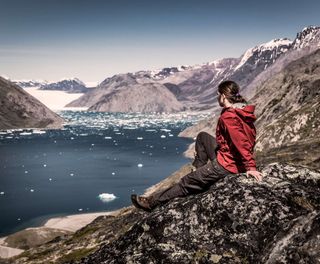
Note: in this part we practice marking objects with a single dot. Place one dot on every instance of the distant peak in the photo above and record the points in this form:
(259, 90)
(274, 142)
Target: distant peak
(278, 46)
(275, 43)
(310, 28)
(308, 36)
(73, 79)
(307, 31)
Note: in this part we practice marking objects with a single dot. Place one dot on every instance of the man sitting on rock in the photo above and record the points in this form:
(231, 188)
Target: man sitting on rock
(230, 153)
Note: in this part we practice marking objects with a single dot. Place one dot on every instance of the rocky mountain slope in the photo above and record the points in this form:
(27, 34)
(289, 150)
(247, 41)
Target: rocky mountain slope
(288, 104)
(129, 93)
(306, 42)
(18, 109)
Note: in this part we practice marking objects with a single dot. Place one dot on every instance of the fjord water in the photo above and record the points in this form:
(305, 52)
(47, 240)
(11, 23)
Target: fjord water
(95, 156)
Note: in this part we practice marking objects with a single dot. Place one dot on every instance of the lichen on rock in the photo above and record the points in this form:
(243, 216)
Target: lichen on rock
(238, 220)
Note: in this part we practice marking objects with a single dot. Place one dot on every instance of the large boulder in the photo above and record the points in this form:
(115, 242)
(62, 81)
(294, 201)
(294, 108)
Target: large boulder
(238, 220)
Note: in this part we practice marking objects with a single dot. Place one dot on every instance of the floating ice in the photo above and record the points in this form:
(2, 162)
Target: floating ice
(107, 197)
(107, 137)
(139, 138)
(25, 171)
(163, 136)
(165, 130)
(92, 144)
(31, 190)
(38, 132)
(72, 138)
(140, 165)
(80, 209)
(170, 135)
(44, 165)
(71, 174)
(25, 133)
(50, 179)
(113, 173)
(1, 193)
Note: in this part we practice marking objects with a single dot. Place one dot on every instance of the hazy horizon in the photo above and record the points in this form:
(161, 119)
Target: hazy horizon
(52, 40)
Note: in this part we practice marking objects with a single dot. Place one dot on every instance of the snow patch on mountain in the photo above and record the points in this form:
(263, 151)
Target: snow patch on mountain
(281, 45)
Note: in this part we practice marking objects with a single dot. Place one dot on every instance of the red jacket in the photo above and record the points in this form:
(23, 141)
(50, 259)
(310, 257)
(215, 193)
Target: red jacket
(235, 136)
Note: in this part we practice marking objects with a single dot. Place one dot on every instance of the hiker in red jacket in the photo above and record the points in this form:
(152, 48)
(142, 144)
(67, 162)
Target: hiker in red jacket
(231, 152)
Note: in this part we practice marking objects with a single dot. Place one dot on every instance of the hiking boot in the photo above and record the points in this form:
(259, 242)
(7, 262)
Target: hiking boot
(141, 202)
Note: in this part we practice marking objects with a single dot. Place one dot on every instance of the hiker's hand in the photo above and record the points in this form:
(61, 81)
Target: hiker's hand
(256, 174)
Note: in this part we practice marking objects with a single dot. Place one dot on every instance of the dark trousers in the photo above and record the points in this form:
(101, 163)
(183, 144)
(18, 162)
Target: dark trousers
(200, 180)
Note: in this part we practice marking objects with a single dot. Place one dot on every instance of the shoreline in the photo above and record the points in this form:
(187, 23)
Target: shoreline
(69, 223)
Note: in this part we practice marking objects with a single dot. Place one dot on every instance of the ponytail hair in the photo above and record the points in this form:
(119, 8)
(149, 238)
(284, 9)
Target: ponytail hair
(231, 90)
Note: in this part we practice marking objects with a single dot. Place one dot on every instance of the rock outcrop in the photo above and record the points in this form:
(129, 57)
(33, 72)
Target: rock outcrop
(238, 220)
(18, 109)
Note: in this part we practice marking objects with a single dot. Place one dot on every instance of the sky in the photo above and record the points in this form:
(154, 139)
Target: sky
(95, 39)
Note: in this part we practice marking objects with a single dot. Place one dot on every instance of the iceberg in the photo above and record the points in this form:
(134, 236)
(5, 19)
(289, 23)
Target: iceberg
(107, 197)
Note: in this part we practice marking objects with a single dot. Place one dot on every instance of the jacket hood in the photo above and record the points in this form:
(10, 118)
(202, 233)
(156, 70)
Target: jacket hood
(245, 112)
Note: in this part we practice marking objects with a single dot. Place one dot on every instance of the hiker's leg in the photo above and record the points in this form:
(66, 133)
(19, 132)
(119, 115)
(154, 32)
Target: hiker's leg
(194, 182)
(205, 149)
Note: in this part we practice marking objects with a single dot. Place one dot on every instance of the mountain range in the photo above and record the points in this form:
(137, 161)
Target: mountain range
(195, 86)
(71, 85)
